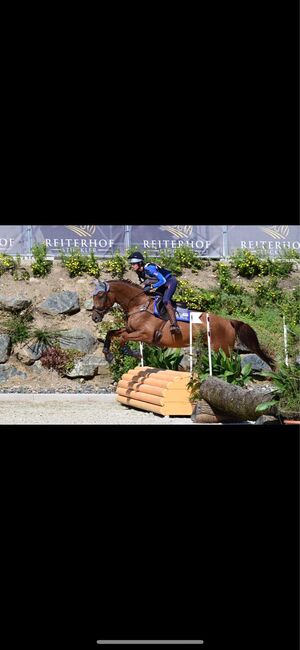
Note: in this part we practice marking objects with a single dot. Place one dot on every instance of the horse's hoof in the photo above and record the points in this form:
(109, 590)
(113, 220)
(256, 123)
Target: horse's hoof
(109, 356)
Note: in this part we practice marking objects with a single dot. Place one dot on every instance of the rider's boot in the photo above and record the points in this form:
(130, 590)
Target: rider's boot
(174, 329)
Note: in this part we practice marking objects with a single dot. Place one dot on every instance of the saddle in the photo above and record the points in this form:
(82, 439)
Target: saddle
(179, 307)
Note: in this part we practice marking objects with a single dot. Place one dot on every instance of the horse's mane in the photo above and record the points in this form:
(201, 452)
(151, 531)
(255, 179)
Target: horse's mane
(133, 284)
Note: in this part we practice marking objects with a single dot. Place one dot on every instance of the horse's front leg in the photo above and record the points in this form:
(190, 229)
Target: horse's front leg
(111, 334)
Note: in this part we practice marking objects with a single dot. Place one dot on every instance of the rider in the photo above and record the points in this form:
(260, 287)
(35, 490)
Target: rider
(154, 276)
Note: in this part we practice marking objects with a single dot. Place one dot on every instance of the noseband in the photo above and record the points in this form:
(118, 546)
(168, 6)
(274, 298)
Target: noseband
(101, 312)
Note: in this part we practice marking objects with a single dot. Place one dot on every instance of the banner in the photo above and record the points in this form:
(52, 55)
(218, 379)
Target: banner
(102, 240)
(206, 240)
(272, 239)
(14, 239)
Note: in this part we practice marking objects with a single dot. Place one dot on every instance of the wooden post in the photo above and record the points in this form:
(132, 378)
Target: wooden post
(285, 342)
(209, 345)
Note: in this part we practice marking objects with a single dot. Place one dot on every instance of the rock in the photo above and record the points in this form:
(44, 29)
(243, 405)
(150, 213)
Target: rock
(30, 353)
(258, 365)
(6, 372)
(297, 360)
(78, 339)
(89, 304)
(266, 419)
(14, 303)
(88, 366)
(65, 302)
(5, 347)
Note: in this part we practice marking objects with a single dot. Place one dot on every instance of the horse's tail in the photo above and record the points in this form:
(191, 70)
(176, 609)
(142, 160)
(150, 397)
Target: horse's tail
(248, 338)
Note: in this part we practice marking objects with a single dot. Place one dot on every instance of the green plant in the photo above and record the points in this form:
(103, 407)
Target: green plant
(62, 361)
(225, 280)
(117, 266)
(195, 298)
(19, 272)
(287, 389)
(78, 263)
(7, 263)
(17, 326)
(267, 292)
(248, 264)
(227, 368)
(92, 266)
(41, 266)
(121, 363)
(164, 358)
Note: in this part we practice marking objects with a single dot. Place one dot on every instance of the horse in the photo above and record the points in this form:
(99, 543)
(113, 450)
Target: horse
(142, 325)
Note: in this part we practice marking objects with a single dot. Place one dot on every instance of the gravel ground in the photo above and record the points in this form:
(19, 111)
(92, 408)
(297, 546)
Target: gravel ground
(77, 408)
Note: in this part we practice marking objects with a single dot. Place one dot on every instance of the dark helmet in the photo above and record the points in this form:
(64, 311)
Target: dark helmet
(136, 258)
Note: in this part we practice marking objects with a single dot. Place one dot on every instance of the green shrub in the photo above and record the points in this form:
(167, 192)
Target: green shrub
(54, 358)
(41, 266)
(17, 326)
(19, 272)
(267, 292)
(195, 298)
(121, 363)
(227, 368)
(164, 358)
(7, 263)
(249, 264)
(78, 263)
(286, 382)
(117, 265)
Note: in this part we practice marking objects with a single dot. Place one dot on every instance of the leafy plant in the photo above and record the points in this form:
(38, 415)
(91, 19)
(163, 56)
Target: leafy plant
(117, 266)
(287, 389)
(77, 263)
(121, 363)
(17, 326)
(164, 358)
(227, 368)
(267, 292)
(41, 266)
(54, 358)
(7, 263)
(19, 272)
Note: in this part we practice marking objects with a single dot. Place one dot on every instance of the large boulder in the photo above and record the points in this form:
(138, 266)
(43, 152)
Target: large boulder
(65, 302)
(5, 347)
(14, 303)
(89, 366)
(258, 365)
(78, 339)
(6, 372)
(30, 353)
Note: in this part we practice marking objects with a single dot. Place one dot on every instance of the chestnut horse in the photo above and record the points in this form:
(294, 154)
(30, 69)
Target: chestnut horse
(143, 326)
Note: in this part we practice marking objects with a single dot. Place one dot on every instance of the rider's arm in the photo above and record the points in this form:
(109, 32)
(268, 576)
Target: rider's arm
(152, 270)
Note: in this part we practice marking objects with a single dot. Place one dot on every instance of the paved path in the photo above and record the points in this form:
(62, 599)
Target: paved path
(61, 408)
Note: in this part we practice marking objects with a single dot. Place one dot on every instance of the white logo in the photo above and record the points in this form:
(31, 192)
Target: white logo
(179, 231)
(83, 231)
(277, 232)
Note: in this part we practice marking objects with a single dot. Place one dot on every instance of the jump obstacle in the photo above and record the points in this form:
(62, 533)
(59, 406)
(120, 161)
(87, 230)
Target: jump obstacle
(163, 392)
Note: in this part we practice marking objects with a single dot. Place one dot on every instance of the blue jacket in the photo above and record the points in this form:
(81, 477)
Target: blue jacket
(153, 270)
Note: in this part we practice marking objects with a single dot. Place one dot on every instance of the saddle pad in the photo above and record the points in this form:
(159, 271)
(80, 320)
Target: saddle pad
(181, 313)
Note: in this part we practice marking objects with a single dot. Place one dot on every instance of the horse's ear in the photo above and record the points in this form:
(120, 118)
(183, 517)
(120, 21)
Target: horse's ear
(101, 286)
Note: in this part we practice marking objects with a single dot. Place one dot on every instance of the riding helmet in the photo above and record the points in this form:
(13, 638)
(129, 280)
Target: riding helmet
(136, 258)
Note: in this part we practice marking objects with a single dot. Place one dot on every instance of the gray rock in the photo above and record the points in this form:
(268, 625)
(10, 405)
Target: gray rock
(266, 419)
(14, 303)
(258, 365)
(65, 302)
(30, 353)
(78, 339)
(88, 366)
(89, 304)
(6, 372)
(5, 347)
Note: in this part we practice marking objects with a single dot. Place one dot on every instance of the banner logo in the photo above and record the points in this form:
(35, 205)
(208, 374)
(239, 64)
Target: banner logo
(277, 232)
(83, 231)
(179, 231)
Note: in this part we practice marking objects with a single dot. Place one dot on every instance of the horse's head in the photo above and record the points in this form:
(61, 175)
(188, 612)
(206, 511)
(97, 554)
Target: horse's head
(103, 301)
